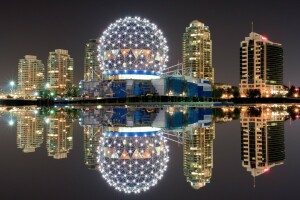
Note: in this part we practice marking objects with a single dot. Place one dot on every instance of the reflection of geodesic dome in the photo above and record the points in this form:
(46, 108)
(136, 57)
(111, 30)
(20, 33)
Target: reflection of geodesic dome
(133, 164)
(133, 46)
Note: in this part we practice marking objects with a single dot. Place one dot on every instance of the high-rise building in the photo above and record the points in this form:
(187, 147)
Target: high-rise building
(30, 130)
(198, 155)
(60, 71)
(31, 75)
(91, 61)
(59, 135)
(261, 66)
(262, 138)
(92, 136)
(197, 51)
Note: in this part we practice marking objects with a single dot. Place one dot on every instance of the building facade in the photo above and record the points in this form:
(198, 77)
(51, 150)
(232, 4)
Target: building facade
(59, 135)
(262, 139)
(197, 51)
(91, 61)
(30, 129)
(198, 155)
(60, 71)
(31, 75)
(261, 66)
(92, 135)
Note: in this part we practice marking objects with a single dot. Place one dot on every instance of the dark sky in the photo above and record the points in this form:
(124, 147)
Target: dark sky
(37, 27)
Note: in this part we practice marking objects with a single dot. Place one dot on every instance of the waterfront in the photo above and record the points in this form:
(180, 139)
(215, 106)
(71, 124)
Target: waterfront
(37, 174)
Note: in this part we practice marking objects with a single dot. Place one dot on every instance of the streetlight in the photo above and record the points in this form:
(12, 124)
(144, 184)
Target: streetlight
(11, 84)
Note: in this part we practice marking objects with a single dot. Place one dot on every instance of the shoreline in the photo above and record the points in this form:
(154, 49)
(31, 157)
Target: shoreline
(149, 100)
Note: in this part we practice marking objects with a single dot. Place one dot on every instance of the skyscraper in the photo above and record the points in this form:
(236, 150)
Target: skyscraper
(60, 70)
(261, 66)
(262, 138)
(30, 130)
(198, 155)
(92, 136)
(31, 75)
(59, 135)
(91, 62)
(197, 51)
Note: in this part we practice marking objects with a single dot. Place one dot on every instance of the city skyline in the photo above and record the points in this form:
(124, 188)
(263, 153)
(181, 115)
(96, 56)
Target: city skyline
(226, 36)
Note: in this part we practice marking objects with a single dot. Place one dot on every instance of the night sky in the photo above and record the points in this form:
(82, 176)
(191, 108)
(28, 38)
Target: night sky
(37, 27)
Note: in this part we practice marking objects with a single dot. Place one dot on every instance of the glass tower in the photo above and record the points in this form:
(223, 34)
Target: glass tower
(197, 51)
(261, 66)
(262, 139)
(60, 70)
(91, 62)
(31, 75)
(30, 130)
(198, 155)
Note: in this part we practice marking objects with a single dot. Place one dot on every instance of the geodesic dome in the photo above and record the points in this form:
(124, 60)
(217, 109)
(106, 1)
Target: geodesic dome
(133, 164)
(133, 47)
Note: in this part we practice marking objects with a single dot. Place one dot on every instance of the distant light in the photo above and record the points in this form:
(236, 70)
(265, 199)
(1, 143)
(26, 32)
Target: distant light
(12, 83)
(36, 94)
(47, 120)
(11, 122)
(266, 169)
(264, 38)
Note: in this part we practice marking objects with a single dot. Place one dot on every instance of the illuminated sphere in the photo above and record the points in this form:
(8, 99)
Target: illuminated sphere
(133, 164)
(133, 47)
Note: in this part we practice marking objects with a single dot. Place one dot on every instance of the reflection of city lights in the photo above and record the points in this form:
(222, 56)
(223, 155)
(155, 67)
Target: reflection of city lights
(266, 169)
(11, 122)
(47, 120)
(133, 164)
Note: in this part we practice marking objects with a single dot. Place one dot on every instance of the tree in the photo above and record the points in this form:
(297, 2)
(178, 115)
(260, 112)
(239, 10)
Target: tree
(217, 92)
(291, 92)
(72, 91)
(235, 92)
(253, 93)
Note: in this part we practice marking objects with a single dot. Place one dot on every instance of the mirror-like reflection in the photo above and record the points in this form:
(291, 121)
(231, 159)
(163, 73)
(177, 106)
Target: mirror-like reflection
(59, 131)
(130, 146)
(30, 130)
(262, 138)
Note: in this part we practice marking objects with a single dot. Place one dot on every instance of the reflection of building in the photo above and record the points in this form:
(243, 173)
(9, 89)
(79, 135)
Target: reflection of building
(59, 135)
(60, 70)
(133, 159)
(261, 66)
(132, 153)
(133, 150)
(91, 62)
(31, 75)
(262, 138)
(198, 155)
(29, 130)
(197, 51)
(91, 143)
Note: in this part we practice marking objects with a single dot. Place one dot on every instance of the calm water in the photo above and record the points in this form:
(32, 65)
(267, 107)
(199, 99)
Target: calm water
(162, 153)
